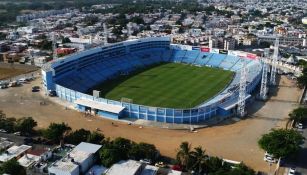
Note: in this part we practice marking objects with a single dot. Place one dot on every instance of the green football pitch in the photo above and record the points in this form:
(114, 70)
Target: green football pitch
(171, 85)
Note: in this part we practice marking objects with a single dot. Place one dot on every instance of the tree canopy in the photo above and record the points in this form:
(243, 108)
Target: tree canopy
(123, 149)
(299, 114)
(281, 142)
(198, 161)
(12, 167)
(25, 125)
(302, 80)
(56, 132)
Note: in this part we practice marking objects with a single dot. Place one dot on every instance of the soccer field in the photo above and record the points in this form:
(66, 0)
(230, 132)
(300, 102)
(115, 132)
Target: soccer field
(170, 85)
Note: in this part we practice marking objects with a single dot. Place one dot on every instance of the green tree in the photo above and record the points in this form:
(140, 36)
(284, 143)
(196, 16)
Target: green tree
(95, 138)
(215, 164)
(66, 40)
(7, 124)
(199, 159)
(56, 132)
(281, 142)
(77, 136)
(109, 156)
(184, 155)
(143, 151)
(298, 115)
(115, 151)
(25, 125)
(302, 80)
(12, 167)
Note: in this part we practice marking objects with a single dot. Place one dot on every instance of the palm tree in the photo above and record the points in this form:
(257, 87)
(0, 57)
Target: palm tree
(199, 159)
(184, 155)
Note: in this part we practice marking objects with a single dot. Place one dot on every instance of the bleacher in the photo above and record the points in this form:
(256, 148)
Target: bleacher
(178, 55)
(190, 56)
(216, 60)
(228, 62)
(203, 58)
(86, 77)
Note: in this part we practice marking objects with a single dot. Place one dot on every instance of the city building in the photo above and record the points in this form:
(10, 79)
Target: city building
(14, 152)
(76, 162)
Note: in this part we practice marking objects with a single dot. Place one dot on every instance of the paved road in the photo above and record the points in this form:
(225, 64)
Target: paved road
(18, 140)
(301, 162)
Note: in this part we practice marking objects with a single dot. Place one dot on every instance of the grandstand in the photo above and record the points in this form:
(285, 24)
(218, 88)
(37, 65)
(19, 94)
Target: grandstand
(73, 76)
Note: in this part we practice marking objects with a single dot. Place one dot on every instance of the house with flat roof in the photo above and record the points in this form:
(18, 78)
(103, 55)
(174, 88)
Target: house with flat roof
(131, 167)
(14, 152)
(76, 162)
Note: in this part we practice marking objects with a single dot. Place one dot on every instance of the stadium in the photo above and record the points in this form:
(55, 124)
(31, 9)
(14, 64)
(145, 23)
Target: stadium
(152, 79)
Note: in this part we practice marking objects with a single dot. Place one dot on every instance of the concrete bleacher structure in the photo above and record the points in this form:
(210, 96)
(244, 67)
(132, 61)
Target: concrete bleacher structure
(73, 76)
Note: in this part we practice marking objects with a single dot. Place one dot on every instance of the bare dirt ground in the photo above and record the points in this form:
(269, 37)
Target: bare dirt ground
(230, 140)
(10, 70)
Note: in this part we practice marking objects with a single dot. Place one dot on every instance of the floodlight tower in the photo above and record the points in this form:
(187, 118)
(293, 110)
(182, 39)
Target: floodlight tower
(263, 88)
(129, 30)
(274, 62)
(242, 90)
(55, 56)
(105, 33)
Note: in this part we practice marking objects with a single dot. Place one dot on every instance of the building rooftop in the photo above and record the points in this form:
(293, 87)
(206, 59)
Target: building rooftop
(28, 159)
(174, 172)
(129, 167)
(96, 170)
(4, 143)
(87, 147)
(78, 155)
(14, 151)
(150, 170)
(99, 105)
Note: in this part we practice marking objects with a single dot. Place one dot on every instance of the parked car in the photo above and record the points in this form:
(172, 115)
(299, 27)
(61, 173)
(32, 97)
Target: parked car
(3, 131)
(299, 126)
(291, 171)
(160, 165)
(14, 84)
(35, 88)
(52, 93)
(269, 158)
(146, 161)
(17, 133)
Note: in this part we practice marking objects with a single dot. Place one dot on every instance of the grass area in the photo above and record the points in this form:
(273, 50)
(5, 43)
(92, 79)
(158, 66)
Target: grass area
(11, 72)
(170, 85)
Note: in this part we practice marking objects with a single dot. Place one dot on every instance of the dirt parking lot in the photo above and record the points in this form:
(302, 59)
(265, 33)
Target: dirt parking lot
(230, 140)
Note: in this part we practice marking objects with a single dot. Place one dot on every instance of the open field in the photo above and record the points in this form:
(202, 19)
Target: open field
(229, 139)
(8, 70)
(170, 85)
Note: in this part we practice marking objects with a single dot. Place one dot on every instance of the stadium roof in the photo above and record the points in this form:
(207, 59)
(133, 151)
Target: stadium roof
(101, 106)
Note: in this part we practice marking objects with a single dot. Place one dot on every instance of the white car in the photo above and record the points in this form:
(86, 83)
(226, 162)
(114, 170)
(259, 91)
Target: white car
(3, 131)
(145, 161)
(269, 158)
(299, 126)
(291, 171)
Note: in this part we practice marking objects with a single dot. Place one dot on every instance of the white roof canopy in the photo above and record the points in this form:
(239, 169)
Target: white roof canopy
(100, 106)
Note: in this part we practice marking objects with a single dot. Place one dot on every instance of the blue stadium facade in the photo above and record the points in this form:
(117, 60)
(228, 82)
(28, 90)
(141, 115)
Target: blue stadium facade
(75, 74)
